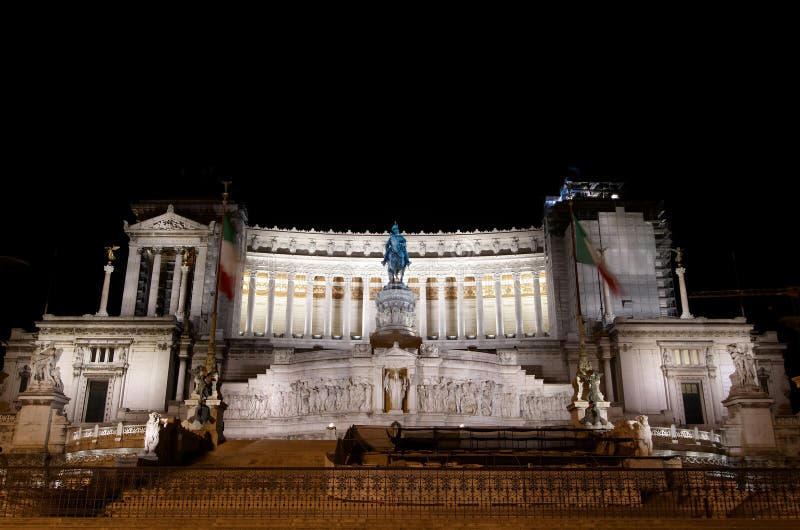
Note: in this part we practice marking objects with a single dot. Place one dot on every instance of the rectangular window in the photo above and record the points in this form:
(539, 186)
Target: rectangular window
(96, 401)
(692, 403)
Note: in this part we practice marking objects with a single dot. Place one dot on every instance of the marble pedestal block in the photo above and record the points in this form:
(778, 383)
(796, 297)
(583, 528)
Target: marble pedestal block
(395, 318)
(202, 421)
(598, 418)
(749, 429)
(41, 426)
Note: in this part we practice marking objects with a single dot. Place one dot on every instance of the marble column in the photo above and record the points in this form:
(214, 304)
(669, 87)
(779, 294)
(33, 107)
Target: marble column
(198, 281)
(251, 304)
(176, 282)
(270, 305)
(182, 297)
(608, 378)
(155, 276)
(181, 377)
(289, 304)
(518, 304)
(131, 281)
(347, 296)
(422, 309)
(479, 305)
(442, 308)
(460, 307)
(537, 304)
(498, 296)
(608, 312)
(365, 307)
(680, 271)
(103, 311)
(309, 305)
(328, 306)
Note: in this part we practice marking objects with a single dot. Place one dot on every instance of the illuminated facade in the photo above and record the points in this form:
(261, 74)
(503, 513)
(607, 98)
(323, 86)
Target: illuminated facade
(496, 311)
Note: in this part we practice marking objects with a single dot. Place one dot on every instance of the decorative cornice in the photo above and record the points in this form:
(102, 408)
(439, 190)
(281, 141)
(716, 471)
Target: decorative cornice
(451, 244)
(107, 326)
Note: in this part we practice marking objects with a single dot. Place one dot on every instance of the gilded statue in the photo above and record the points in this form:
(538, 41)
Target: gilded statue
(678, 256)
(110, 252)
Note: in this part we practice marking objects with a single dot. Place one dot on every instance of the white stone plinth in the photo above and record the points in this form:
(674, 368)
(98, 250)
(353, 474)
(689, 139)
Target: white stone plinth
(578, 409)
(213, 427)
(395, 309)
(749, 429)
(41, 426)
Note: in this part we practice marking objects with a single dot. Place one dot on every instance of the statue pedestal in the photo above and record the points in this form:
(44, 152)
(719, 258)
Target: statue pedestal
(395, 318)
(577, 411)
(749, 428)
(201, 421)
(585, 417)
(40, 426)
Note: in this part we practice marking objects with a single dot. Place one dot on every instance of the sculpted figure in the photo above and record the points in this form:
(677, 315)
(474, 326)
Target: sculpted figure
(396, 385)
(395, 255)
(151, 432)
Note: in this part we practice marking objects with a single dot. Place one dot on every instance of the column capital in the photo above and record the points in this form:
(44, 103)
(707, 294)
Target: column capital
(108, 268)
(497, 276)
(290, 276)
(157, 250)
(252, 274)
(516, 275)
(680, 271)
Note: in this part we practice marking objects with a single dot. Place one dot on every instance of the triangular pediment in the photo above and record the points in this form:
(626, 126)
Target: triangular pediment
(395, 351)
(167, 222)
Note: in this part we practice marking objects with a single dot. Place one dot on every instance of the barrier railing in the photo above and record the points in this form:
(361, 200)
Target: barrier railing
(365, 492)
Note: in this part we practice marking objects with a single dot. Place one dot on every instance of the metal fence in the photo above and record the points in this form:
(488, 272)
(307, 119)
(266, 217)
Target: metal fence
(381, 492)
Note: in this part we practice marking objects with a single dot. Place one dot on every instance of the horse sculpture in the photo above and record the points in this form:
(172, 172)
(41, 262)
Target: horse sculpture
(395, 255)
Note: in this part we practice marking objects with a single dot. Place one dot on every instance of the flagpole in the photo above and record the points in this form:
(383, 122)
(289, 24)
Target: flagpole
(581, 337)
(211, 357)
(584, 367)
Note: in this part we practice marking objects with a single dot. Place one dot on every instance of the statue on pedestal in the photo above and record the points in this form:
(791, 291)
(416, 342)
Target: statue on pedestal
(151, 433)
(396, 384)
(744, 362)
(46, 373)
(395, 255)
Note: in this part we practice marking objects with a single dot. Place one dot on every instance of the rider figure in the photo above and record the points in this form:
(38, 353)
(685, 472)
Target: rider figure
(396, 255)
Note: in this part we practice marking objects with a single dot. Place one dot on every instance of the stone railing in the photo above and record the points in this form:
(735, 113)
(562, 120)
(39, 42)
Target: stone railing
(686, 435)
(779, 420)
(7, 419)
(106, 435)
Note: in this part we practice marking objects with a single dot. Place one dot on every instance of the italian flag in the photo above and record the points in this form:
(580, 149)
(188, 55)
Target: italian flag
(586, 253)
(227, 259)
